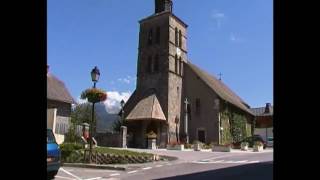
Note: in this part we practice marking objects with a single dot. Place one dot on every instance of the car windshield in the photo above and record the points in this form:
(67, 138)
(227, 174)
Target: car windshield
(50, 137)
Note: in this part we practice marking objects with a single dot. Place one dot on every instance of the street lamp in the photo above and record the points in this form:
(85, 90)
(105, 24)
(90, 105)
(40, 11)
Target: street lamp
(95, 74)
(122, 111)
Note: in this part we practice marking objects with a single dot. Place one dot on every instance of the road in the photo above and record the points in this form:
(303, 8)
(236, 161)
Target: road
(190, 165)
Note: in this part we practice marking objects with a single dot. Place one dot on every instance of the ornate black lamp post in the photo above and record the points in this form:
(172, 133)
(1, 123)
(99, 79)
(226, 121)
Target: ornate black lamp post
(95, 74)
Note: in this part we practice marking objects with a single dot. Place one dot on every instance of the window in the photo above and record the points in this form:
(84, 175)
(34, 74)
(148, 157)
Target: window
(198, 106)
(149, 67)
(176, 37)
(180, 38)
(158, 35)
(156, 63)
(180, 65)
(150, 37)
(176, 64)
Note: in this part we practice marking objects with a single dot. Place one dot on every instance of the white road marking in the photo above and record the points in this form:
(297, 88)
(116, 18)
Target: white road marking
(147, 168)
(218, 161)
(253, 161)
(61, 177)
(131, 172)
(115, 174)
(94, 178)
(70, 173)
(159, 165)
(241, 161)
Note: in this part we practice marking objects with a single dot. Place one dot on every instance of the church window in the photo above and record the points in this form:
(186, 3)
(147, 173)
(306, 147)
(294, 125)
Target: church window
(180, 66)
(158, 35)
(176, 64)
(156, 63)
(198, 106)
(176, 37)
(180, 38)
(149, 68)
(150, 37)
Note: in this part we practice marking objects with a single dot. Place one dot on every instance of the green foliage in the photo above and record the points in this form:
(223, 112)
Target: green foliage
(94, 95)
(106, 150)
(116, 126)
(226, 137)
(68, 148)
(238, 127)
(187, 146)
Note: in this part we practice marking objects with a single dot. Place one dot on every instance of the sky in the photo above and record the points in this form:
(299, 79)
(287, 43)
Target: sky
(231, 37)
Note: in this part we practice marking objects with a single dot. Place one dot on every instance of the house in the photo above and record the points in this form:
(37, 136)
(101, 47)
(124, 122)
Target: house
(174, 98)
(263, 121)
(59, 103)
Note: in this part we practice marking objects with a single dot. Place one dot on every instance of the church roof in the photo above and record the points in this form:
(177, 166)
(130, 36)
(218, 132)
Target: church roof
(261, 111)
(220, 88)
(56, 90)
(146, 109)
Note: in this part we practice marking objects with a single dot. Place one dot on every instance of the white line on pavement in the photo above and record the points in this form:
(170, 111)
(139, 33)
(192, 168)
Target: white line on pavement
(253, 161)
(147, 168)
(115, 174)
(70, 173)
(131, 172)
(241, 161)
(94, 178)
(61, 177)
(159, 165)
(218, 161)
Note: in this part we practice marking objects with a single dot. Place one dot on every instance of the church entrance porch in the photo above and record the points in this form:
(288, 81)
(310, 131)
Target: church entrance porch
(138, 131)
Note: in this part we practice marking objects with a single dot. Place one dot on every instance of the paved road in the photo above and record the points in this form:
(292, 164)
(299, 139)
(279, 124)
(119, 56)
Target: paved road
(190, 165)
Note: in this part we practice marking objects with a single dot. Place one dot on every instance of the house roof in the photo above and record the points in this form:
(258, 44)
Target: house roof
(56, 90)
(220, 88)
(147, 108)
(260, 111)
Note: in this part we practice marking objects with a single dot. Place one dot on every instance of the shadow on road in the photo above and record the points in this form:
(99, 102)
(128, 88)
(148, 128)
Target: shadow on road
(257, 171)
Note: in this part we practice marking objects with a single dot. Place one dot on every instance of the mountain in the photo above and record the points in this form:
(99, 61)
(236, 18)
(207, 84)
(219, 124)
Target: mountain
(105, 120)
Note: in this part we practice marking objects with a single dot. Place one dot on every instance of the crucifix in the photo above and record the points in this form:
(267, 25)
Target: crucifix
(186, 120)
(220, 76)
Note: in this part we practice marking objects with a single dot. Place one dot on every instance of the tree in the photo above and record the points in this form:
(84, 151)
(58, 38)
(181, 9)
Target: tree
(81, 113)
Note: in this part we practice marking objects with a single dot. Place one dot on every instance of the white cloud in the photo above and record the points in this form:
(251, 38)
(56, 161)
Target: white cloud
(217, 17)
(234, 38)
(127, 80)
(113, 100)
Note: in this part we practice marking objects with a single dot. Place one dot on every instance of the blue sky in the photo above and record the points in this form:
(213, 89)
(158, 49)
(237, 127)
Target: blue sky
(234, 37)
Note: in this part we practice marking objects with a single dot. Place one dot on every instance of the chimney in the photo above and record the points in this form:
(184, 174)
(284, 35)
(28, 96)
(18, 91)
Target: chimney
(267, 108)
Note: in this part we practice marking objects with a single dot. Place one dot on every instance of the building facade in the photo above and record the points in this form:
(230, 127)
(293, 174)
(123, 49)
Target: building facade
(173, 97)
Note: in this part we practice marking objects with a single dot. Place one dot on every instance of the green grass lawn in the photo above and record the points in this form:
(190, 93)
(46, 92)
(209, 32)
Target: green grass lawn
(106, 150)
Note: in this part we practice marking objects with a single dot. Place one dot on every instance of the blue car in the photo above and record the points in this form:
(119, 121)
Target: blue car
(53, 155)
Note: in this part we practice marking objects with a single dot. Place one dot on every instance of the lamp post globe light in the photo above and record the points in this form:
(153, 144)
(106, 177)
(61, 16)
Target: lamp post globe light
(95, 74)
(122, 111)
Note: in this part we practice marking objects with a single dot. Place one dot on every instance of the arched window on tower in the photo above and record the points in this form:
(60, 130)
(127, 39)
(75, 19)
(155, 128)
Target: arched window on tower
(176, 37)
(176, 64)
(150, 36)
(156, 63)
(180, 38)
(180, 63)
(158, 35)
(149, 67)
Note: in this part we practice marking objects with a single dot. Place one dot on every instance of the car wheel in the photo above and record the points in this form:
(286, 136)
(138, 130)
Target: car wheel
(52, 174)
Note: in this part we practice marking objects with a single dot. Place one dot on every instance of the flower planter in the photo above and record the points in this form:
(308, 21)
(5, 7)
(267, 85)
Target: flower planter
(152, 143)
(175, 147)
(197, 147)
(244, 146)
(257, 148)
(218, 148)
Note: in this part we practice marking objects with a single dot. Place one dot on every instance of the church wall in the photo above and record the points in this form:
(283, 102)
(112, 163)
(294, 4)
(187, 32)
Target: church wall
(207, 120)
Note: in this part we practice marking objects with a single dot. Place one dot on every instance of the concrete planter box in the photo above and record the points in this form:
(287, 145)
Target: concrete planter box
(175, 147)
(244, 146)
(197, 147)
(257, 148)
(221, 148)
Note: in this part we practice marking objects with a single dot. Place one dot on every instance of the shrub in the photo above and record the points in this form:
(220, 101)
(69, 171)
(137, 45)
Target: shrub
(68, 148)
(188, 146)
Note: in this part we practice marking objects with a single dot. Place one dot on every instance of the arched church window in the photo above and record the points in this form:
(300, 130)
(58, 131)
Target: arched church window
(156, 63)
(149, 67)
(180, 38)
(150, 37)
(158, 35)
(176, 37)
(180, 63)
(176, 64)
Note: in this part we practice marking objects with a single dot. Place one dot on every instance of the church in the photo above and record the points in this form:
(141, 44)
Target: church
(173, 97)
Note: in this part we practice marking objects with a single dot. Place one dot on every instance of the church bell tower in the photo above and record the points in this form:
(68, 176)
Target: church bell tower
(161, 57)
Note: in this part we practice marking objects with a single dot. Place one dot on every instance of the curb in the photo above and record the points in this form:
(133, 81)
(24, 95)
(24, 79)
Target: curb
(94, 166)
